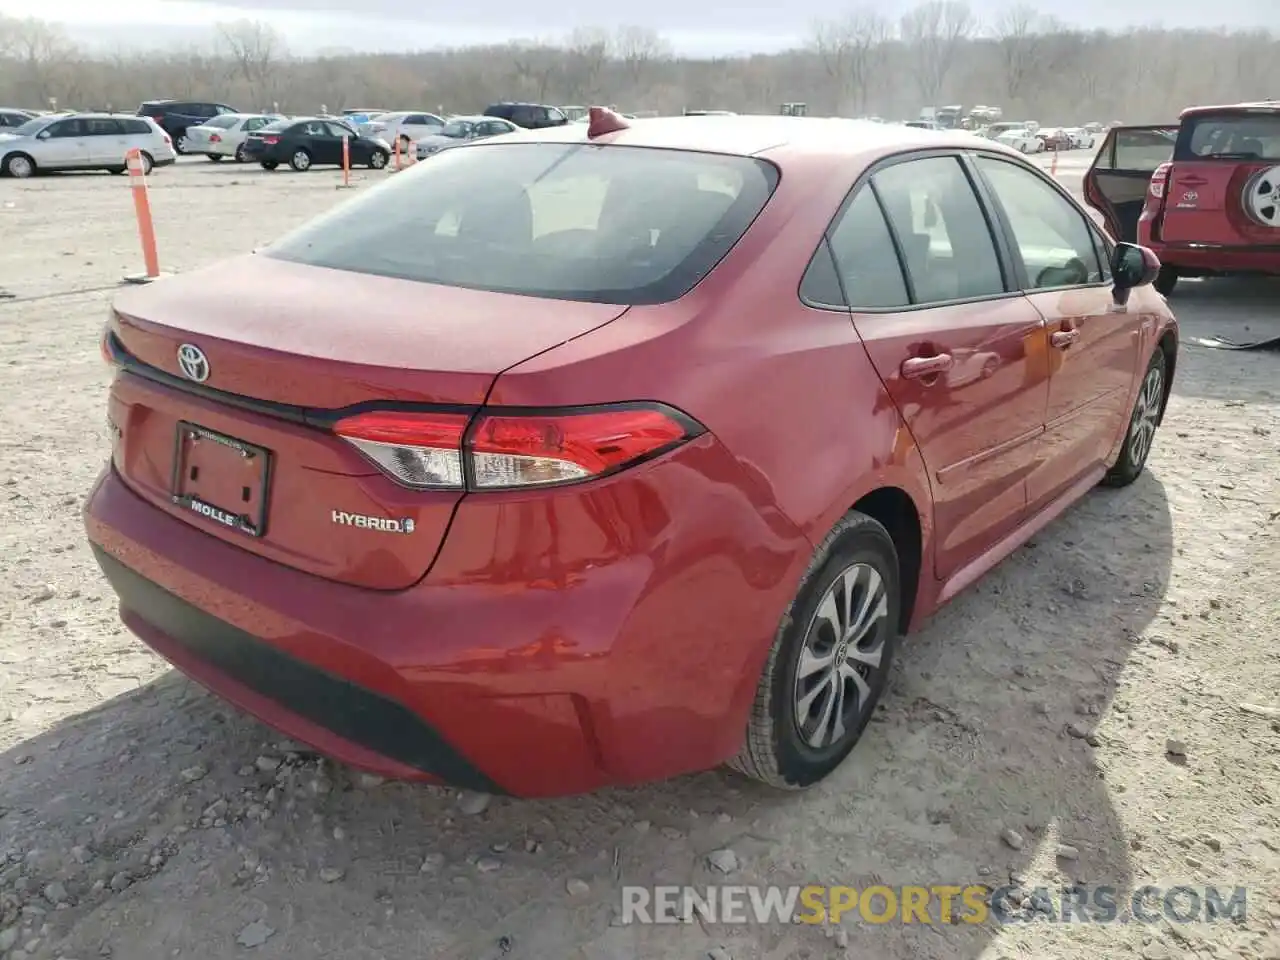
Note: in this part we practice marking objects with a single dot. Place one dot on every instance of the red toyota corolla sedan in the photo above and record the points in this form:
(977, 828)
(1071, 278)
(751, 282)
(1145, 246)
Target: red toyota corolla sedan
(604, 453)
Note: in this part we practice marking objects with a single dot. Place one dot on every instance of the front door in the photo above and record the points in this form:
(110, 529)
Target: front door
(333, 145)
(63, 144)
(1116, 184)
(1093, 345)
(954, 345)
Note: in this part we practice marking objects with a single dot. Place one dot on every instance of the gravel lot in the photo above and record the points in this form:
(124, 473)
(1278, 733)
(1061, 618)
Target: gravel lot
(141, 818)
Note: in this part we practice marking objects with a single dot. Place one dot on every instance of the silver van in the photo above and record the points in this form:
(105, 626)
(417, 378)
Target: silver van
(84, 141)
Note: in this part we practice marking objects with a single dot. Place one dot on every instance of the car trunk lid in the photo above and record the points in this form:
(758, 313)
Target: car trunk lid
(236, 440)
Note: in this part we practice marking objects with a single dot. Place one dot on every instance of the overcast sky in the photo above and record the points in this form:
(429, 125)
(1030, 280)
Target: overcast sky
(709, 27)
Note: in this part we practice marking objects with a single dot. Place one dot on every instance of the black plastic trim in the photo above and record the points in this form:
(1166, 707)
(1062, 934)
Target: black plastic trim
(351, 712)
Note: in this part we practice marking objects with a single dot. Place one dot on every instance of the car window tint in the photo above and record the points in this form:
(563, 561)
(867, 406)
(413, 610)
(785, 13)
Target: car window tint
(338, 130)
(623, 225)
(315, 128)
(820, 284)
(944, 236)
(67, 128)
(1138, 149)
(865, 257)
(136, 127)
(1052, 236)
(102, 128)
(1250, 136)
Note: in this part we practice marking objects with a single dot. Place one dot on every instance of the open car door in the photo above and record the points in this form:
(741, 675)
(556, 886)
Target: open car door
(1116, 184)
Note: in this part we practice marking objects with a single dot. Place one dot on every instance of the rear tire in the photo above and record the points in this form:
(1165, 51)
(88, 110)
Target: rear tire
(241, 156)
(1142, 426)
(269, 164)
(215, 157)
(830, 657)
(1166, 280)
(300, 161)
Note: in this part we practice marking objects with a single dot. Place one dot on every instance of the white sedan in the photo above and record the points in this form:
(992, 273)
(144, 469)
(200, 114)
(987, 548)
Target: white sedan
(224, 135)
(460, 130)
(405, 126)
(1022, 140)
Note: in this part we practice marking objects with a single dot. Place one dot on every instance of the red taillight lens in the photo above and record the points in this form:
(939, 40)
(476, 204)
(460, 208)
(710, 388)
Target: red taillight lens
(1159, 178)
(215, 138)
(522, 451)
(509, 449)
(422, 450)
(270, 139)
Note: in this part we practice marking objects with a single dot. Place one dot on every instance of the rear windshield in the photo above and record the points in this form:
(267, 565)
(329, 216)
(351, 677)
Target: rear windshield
(1230, 136)
(223, 120)
(624, 225)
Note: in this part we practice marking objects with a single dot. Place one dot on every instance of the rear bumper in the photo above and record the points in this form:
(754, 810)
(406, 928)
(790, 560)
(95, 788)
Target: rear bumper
(1211, 258)
(611, 636)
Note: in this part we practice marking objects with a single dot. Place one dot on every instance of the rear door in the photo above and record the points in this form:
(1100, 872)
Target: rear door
(105, 139)
(1224, 187)
(954, 345)
(1116, 184)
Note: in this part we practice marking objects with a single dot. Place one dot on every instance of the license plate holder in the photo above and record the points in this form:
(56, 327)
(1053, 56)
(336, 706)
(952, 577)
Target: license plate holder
(221, 478)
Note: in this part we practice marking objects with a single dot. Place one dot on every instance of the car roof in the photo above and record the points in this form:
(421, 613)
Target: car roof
(754, 135)
(1255, 106)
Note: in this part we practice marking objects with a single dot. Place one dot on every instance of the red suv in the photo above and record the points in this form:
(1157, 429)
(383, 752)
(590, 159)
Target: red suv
(659, 438)
(1204, 195)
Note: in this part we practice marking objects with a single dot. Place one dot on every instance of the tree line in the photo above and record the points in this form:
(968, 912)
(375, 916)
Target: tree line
(859, 64)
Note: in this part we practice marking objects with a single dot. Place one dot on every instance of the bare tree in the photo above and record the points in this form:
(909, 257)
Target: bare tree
(639, 48)
(590, 49)
(934, 33)
(1021, 43)
(255, 49)
(851, 50)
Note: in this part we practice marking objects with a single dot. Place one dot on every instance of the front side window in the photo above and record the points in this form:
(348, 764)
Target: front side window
(865, 258)
(570, 221)
(940, 226)
(67, 128)
(102, 128)
(1051, 235)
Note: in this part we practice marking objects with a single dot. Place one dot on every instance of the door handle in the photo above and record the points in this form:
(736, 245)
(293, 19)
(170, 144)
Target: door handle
(1064, 338)
(917, 368)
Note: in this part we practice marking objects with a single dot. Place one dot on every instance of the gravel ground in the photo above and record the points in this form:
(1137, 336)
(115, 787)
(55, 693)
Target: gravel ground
(142, 818)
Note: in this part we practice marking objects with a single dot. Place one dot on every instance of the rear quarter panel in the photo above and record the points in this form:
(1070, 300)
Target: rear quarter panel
(788, 389)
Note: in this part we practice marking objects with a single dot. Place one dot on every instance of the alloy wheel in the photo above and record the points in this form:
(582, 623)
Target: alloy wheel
(844, 644)
(1145, 414)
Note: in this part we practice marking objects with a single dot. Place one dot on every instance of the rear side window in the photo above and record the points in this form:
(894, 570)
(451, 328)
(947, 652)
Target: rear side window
(102, 128)
(944, 236)
(1230, 136)
(624, 225)
(277, 126)
(865, 258)
(135, 127)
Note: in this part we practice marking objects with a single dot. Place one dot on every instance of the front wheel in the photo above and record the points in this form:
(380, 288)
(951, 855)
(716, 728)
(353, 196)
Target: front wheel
(377, 160)
(830, 659)
(19, 166)
(1142, 425)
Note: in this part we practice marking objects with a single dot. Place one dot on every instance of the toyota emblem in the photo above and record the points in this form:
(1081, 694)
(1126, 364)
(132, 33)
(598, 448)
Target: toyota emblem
(193, 363)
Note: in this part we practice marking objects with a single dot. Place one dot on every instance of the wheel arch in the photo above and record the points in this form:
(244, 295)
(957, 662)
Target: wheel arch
(1168, 345)
(895, 510)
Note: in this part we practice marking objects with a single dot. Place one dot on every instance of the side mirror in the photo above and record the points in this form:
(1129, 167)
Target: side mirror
(1132, 266)
(43, 135)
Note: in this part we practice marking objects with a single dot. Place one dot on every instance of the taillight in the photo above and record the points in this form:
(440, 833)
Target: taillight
(1159, 179)
(270, 139)
(504, 449)
(215, 138)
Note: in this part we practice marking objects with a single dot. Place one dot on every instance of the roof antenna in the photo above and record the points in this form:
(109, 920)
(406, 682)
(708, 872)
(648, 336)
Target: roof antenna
(602, 120)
